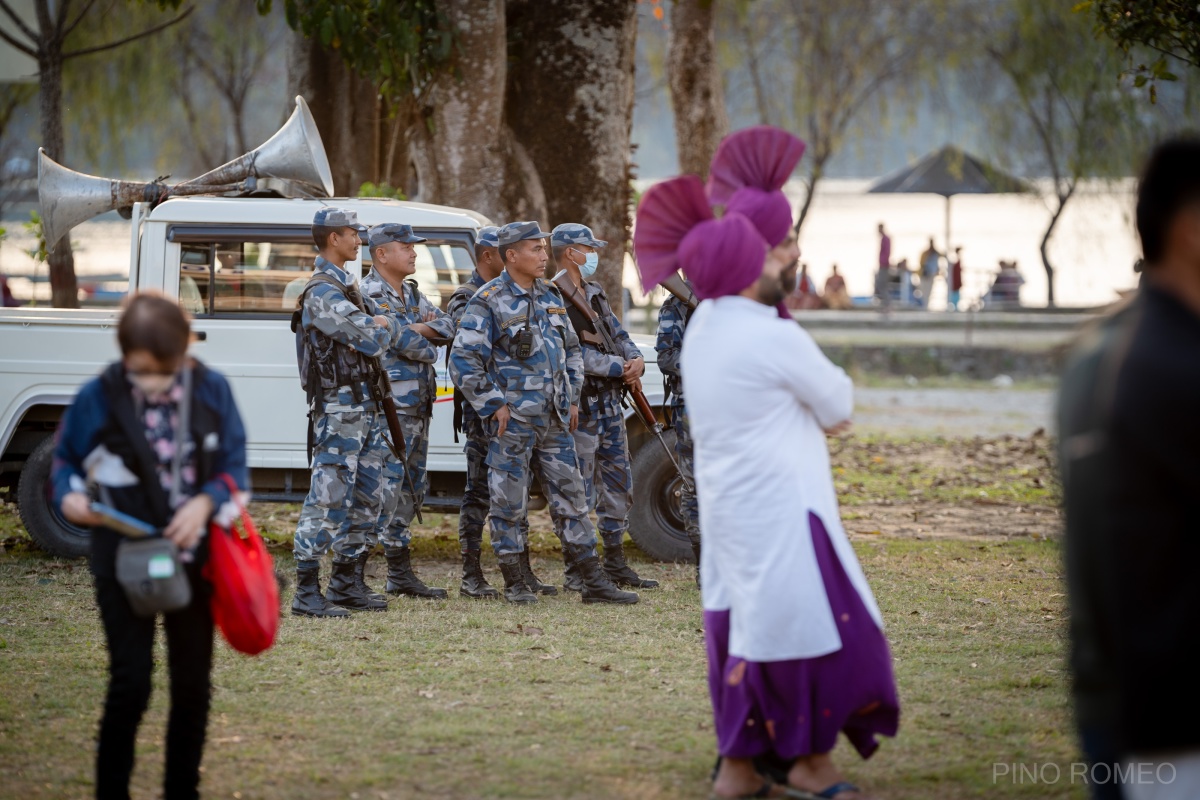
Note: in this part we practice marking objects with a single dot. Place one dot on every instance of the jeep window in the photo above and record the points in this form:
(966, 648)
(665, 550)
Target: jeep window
(263, 275)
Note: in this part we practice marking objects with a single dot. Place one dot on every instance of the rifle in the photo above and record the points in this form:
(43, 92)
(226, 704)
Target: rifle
(381, 392)
(603, 339)
(380, 386)
(677, 287)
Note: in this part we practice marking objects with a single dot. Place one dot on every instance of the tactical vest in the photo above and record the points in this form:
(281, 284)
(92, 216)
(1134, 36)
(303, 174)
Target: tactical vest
(593, 385)
(327, 365)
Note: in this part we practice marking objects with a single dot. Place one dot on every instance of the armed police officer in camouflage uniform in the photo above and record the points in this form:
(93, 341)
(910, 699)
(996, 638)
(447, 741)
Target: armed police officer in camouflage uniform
(474, 510)
(668, 343)
(600, 439)
(340, 336)
(475, 498)
(517, 361)
(409, 364)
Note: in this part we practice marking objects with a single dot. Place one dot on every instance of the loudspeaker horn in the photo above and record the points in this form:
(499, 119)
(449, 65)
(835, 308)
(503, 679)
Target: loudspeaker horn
(294, 153)
(68, 197)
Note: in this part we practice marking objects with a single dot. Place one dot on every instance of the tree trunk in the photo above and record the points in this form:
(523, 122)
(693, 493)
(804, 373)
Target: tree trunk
(810, 191)
(1063, 198)
(696, 96)
(463, 154)
(343, 106)
(64, 289)
(570, 103)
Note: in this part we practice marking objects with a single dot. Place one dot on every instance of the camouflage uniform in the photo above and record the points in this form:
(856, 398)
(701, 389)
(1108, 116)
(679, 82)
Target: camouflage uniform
(473, 514)
(410, 365)
(601, 440)
(539, 391)
(344, 500)
(672, 320)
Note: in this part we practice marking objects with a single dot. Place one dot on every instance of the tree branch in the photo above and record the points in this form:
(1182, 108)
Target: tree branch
(20, 23)
(119, 42)
(18, 45)
(78, 19)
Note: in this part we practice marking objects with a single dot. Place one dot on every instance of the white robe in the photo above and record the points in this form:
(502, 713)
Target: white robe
(759, 395)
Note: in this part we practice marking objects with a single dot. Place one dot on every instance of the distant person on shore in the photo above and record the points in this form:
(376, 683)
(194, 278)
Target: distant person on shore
(904, 279)
(931, 267)
(885, 250)
(804, 297)
(1127, 417)
(955, 280)
(836, 296)
(1006, 287)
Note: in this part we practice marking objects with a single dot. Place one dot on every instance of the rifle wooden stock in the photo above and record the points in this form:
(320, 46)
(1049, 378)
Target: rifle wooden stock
(677, 287)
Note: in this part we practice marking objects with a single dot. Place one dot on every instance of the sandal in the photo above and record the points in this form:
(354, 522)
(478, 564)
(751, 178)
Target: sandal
(828, 793)
(788, 793)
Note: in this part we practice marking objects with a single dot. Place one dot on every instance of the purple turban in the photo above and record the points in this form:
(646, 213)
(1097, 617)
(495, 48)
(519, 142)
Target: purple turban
(747, 177)
(722, 256)
(675, 227)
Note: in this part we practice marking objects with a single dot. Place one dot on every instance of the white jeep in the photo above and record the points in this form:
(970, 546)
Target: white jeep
(237, 264)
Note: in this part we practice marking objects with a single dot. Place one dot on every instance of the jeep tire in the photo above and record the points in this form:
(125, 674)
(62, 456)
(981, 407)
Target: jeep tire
(656, 519)
(43, 520)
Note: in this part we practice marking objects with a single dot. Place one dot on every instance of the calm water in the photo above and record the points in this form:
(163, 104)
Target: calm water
(1093, 248)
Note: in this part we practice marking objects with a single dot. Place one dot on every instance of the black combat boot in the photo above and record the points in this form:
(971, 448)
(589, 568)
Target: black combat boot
(515, 590)
(618, 571)
(360, 577)
(474, 584)
(402, 580)
(308, 601)
(597, 588)
(571, 580)
(344, 590)
(531, 580)
(696, 552)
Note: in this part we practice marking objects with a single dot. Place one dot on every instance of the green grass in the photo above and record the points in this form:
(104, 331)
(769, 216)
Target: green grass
(1005, 471)
(461, 699)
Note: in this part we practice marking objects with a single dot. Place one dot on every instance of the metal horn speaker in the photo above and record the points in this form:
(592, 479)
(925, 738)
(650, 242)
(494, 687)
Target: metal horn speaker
(68, 197)
(294, 153)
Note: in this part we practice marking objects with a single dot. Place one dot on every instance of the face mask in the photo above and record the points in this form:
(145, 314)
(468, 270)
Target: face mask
(590, 261)
(153, 385)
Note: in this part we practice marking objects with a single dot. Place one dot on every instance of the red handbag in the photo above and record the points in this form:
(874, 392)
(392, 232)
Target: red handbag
(245, 599)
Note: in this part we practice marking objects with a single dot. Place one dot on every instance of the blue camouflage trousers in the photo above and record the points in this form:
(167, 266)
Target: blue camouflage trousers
(400, 504)
(687, 465)
(603, 449)
(548, 450)
(476, 497)
(344, 498)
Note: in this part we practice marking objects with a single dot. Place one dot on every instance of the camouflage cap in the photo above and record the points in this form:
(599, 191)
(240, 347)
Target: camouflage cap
(392, 232)
(574, 233)
(330, 217)
(488, 236)
(515, 232)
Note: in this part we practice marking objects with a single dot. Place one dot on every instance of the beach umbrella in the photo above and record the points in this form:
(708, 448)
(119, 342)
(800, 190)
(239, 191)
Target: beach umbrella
(948, 172)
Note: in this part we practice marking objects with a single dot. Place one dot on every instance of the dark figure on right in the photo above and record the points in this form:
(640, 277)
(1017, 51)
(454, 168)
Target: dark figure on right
(1127, 448)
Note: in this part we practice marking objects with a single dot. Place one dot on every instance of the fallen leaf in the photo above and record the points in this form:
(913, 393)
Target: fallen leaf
(606, 667)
